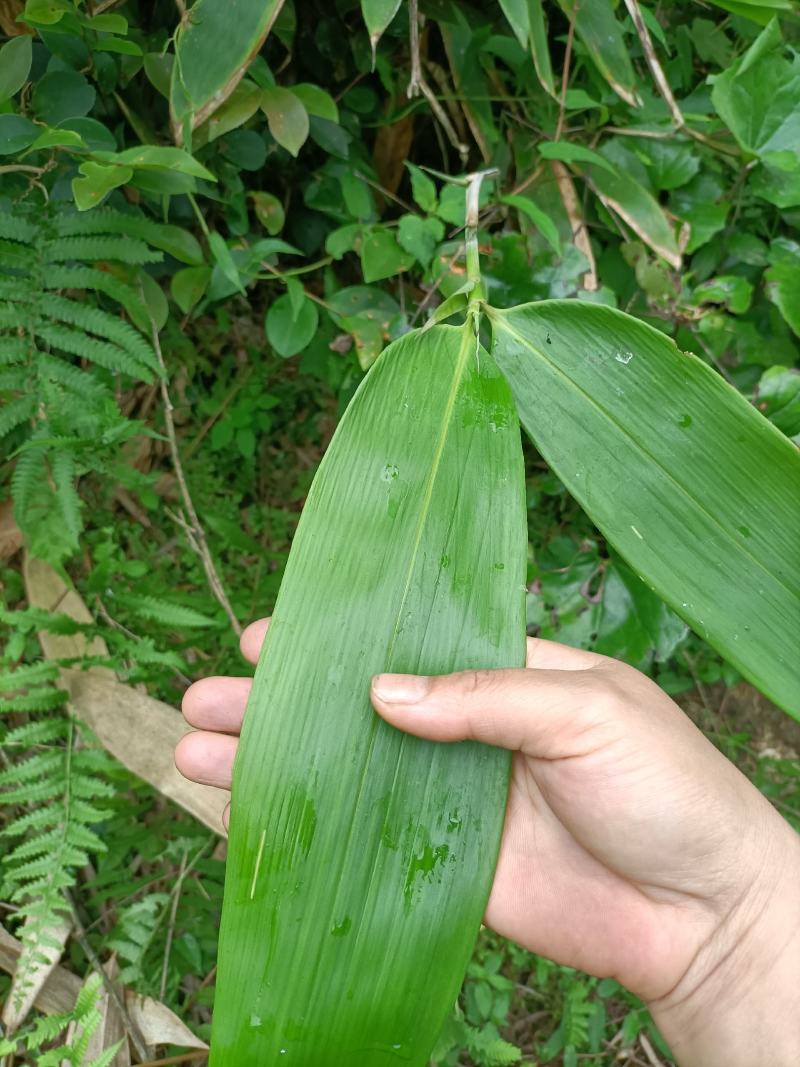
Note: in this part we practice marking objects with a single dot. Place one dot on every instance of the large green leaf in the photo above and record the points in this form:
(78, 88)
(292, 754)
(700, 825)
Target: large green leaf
(684, 477)
(360, 859)
(757, 97)
(213, 48)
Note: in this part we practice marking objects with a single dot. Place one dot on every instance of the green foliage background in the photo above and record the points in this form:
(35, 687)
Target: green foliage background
(256, 266)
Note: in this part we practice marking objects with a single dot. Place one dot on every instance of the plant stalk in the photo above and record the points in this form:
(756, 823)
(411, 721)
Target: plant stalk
(473, 183)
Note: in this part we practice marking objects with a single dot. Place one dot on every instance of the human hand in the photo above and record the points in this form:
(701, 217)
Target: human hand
(632, 847)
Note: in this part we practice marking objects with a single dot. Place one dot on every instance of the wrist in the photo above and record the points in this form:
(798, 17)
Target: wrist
(738, 1002)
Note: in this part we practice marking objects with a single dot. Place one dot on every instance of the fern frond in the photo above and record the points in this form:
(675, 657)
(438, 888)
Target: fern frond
(59, 371)
(36, 732)
(63, 466)
(46, 699)
(19, 257)
(17, 228)
(100, 281)
(28, 472)
(17, 378)
(15, 412)
(95, 321)
(104, 353)
(19, 288)
(10, 317)
(91, 249)
(13, 349)
(165, 612)
(28, 674)
(40, 765)
(42, 818)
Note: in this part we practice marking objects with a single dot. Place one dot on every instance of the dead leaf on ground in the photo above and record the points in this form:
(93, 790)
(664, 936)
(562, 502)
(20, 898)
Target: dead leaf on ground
(580, 235)
(111, 1027)
(157, 1024)
(35, 963)
(10, 533)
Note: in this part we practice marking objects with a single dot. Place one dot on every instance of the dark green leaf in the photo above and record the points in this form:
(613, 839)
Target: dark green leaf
(290, 331)
(15, 65)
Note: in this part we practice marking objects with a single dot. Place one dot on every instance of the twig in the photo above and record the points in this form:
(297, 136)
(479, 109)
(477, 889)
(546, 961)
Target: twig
(565, 74)
(173, 911)
(130, 1026)
(198, 538)
(417, 83)
(663, 86)
(580, 235)
(644, 1041)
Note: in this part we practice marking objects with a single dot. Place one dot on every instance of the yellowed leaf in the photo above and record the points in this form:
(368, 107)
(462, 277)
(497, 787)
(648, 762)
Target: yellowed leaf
(35, 963)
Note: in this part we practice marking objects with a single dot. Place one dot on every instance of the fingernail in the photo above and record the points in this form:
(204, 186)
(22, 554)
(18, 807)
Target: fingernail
(400, 688)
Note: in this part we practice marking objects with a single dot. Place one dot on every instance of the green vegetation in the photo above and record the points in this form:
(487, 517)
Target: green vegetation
(206, 238)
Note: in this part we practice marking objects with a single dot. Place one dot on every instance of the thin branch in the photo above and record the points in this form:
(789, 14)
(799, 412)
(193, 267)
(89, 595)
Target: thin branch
(565, 74)
(663, 86)
(417, 83)
(580, 235)
(198, 538)
(80, 936)
(173, 912)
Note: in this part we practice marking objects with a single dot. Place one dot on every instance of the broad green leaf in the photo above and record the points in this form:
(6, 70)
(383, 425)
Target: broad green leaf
(381, 255)
(420, 237)
(213, 48)
(224, 259)
(692, 486)
(15, 64)
(269, 211)
(760, 11)
(639, 209)
(540, 46)
(16, 133)
(757, 97)
(516, 11)
(540, 219)
(377, 16)
(241, 105)
(360, 858)
(316, 101)
(732, 290)
(778, 398)
(423, 189)
(568, 152)
(159, 157)
(62, 94)
(96, 182)
(289, 328)
(783, 280)
(597, 27)
(188, 285)
(286, 116)
(58, 138)
(46, 12)
(177, 242)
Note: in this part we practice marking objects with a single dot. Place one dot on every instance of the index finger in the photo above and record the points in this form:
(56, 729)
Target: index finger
(253, 638)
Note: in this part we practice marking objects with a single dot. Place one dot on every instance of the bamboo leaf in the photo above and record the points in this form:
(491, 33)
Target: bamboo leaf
(359, 858)
(213, 49)
(601, 33)
(540, 46)
(683, 476)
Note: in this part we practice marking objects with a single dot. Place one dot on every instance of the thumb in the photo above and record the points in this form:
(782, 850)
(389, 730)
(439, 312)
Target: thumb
(540, 712)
